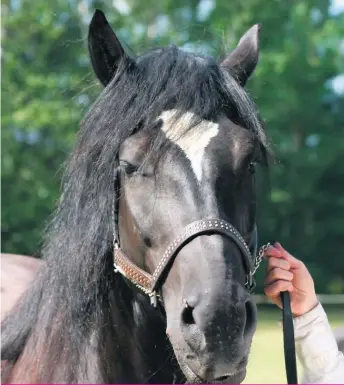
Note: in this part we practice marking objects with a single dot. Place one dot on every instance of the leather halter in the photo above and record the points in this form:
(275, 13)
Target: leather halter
(150, 284)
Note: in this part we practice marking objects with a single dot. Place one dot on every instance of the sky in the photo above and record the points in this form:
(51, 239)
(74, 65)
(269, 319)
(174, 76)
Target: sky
(338, 82)
(337, 6)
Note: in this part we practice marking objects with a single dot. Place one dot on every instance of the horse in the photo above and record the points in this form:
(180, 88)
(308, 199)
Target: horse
(17, 272)
(161, 183)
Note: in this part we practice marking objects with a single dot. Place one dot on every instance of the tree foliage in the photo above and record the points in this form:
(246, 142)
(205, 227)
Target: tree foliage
(48, 85)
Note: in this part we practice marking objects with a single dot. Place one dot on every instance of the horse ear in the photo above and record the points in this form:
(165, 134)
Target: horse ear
(105, 50)
(241, 62)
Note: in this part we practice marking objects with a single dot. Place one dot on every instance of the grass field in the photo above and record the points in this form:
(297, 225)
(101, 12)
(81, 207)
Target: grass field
(266, 362)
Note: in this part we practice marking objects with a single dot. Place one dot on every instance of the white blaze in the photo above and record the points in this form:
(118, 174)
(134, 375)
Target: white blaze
(192, 142)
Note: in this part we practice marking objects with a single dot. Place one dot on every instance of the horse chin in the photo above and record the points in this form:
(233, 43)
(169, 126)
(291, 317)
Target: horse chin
(236, 378)
(193, 378)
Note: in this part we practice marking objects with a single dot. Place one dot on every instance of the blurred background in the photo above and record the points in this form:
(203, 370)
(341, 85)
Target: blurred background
(48, 85)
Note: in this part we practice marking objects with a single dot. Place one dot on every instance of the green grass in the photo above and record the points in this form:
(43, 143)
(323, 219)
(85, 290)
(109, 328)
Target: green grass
(266, 362)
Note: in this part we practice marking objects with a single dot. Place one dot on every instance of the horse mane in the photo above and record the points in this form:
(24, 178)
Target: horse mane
(69, 299)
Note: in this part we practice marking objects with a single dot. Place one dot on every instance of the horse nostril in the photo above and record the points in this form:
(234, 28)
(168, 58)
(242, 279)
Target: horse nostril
(187, 315)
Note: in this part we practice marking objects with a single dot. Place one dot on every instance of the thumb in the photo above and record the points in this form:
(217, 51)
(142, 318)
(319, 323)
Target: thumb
(294, 262)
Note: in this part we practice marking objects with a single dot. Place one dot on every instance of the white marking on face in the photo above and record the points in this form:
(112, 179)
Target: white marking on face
(194, 142)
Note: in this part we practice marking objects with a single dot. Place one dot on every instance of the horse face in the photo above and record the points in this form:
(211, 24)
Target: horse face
(204, 171)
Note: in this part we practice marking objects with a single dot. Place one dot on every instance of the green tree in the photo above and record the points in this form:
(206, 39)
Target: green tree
(48, 85)
(45, 78)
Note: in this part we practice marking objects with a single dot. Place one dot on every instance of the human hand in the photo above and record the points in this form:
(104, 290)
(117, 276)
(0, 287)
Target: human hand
(286, 273)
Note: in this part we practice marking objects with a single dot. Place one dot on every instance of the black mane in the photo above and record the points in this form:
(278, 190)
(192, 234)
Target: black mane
(68, 300)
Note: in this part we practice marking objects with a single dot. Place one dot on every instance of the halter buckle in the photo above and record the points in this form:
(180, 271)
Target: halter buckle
(153, 298)
(118, 269)
(250, 282)
(250, 279)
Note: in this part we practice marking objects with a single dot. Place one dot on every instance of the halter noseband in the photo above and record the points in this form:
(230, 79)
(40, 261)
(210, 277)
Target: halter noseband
(151, 284)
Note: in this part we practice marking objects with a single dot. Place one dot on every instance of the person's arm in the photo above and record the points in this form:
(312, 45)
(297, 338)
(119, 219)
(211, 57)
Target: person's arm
(316, 346)
(317, 349)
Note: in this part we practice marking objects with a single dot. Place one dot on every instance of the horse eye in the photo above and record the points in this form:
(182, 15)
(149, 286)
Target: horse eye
(127, 167)
(252, 167)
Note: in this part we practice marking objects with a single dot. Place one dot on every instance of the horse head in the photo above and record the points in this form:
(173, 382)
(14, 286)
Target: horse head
(187, 155)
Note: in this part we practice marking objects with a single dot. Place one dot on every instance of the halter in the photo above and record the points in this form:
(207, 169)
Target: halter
(151, 284)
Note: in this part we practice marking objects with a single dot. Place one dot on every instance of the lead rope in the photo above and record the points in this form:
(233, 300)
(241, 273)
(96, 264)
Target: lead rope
(289, 339)
(288, 325)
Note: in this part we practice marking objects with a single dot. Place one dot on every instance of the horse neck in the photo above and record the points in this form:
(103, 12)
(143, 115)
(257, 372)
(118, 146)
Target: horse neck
(123, 342)
(142, 352)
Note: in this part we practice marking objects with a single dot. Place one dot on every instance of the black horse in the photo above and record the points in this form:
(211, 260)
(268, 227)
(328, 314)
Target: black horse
(172, 139)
